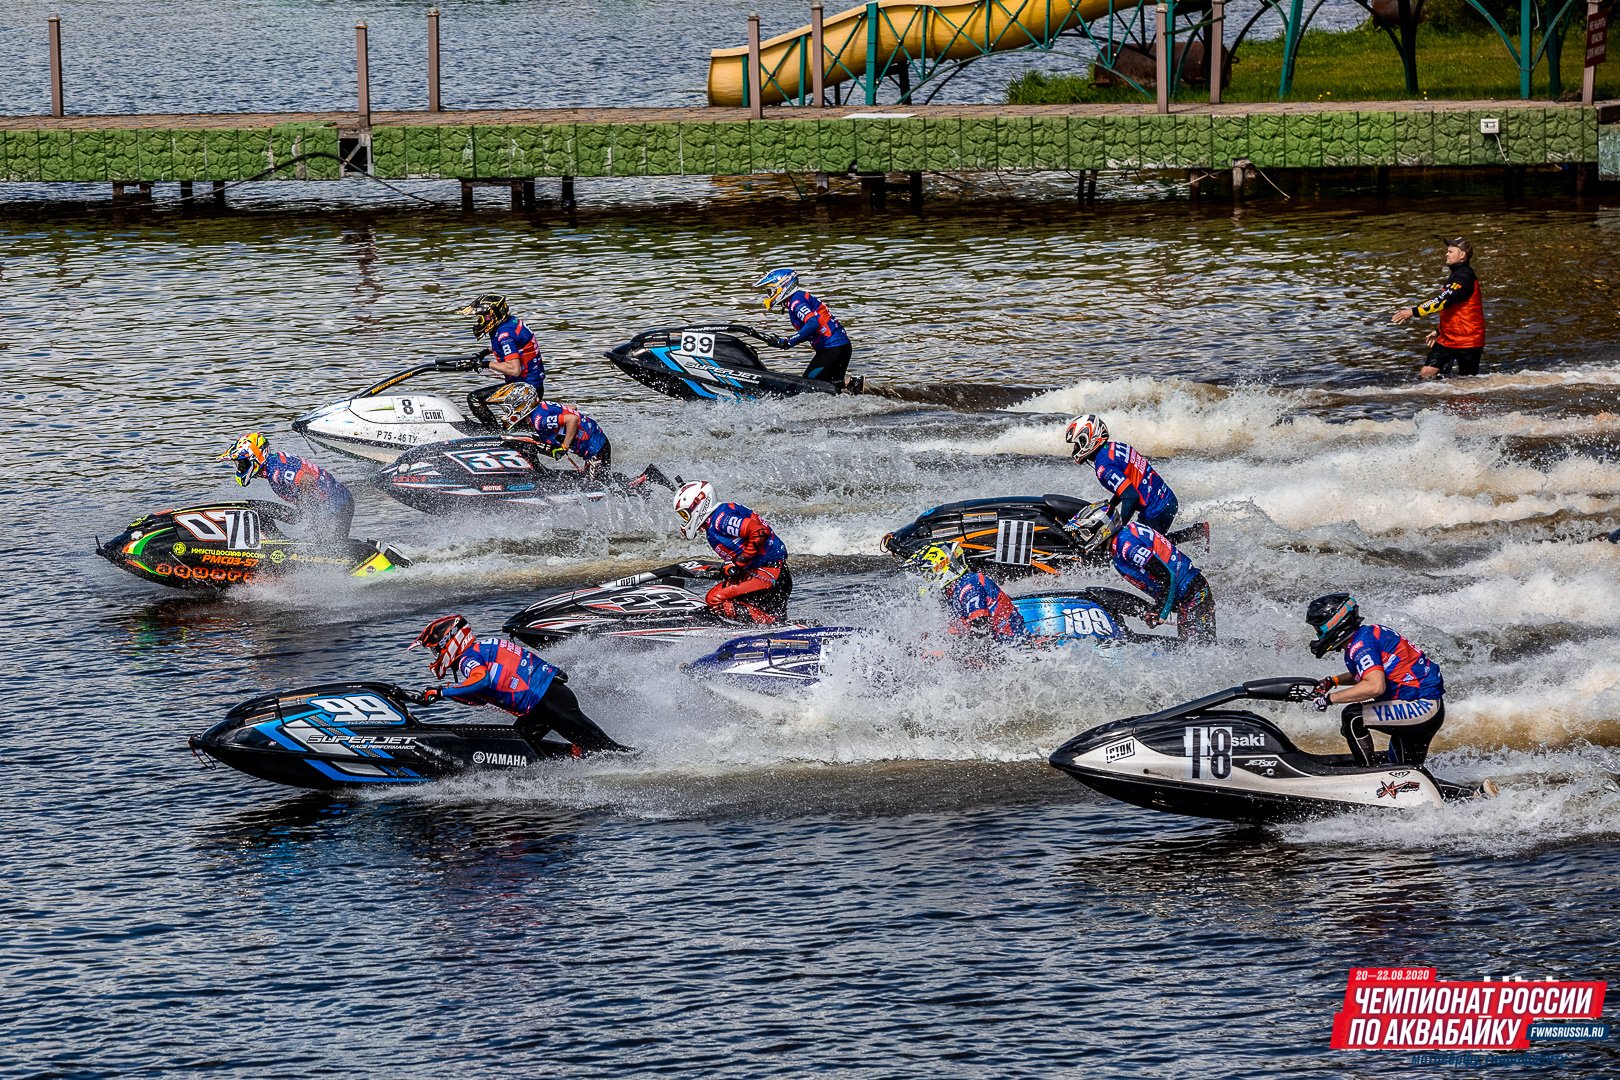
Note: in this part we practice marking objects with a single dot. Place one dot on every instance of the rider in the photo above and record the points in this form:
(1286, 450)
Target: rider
(812, 321)
(1136, 488)
(515, 354)
(978, 606)
(495, 671)
(755, 583)
(1148, 560)
(1390, 685)
(320, 498)
(560, 430)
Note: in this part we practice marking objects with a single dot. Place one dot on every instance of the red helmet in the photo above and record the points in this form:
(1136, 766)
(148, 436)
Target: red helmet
(448, 637)
(1086, 434)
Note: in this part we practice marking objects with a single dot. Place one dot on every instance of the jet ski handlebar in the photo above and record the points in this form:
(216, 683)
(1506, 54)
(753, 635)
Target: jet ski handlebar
(1294, 688)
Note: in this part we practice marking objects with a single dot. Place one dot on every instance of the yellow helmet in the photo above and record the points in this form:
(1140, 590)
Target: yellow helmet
(248, 454)
(944, 562)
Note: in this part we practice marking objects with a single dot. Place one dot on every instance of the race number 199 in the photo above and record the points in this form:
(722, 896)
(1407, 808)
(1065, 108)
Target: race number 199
(697, 344)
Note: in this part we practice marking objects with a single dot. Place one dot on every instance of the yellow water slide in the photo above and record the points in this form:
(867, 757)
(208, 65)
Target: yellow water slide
(891, 31)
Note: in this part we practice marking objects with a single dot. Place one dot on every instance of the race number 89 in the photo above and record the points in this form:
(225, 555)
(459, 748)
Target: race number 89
(694, 343)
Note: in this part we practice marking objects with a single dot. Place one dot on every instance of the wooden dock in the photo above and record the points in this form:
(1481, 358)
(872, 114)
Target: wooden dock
(520, 145)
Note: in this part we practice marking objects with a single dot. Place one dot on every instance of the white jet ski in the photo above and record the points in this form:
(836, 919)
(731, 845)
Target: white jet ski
(380, 426)
(1203, 760)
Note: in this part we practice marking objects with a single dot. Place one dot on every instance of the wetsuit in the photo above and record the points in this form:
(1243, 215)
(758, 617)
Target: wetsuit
(1153, 564)
(812, 321)
(497, 672)
(590, 443)
(756, 583)
(511, 339)
(978, 606)
(320, 497)
(1413, 706)
(1136, 487)
(1462, 322)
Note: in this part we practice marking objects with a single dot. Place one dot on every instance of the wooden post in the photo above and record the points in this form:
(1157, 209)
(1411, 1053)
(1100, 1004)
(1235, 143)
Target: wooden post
(756, 107)
(466, 197)
(55, 24)
(568, 193)
(517, 194)
(1161, 54)
(219, 194)
(1589, 71)
(818, 52)
(185, 193)
(1216, 53)
(363, 70)
(433, 60)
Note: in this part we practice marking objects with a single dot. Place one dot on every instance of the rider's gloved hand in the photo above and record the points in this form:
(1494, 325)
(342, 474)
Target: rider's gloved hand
(731, 571)
(780, 343)
(1321, 703)
(1151, 618)
(557, 453)
(430, 694)
(1325, 686)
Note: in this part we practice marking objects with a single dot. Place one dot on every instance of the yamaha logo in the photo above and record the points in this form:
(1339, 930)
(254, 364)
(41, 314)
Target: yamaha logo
(486, 757)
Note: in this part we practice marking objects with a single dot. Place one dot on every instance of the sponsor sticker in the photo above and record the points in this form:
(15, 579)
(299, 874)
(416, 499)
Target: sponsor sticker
(1119, 751)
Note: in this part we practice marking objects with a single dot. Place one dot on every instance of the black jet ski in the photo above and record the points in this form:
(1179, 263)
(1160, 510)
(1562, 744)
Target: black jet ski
(379, 426)
(665, 604)
(218, 545)
(1207, 761)
(361, 734)
(777, 661)
(708, 363)
(1015, 534)
(496, 472)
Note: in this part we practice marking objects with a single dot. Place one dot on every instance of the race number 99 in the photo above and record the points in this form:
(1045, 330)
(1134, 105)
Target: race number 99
(696, 343)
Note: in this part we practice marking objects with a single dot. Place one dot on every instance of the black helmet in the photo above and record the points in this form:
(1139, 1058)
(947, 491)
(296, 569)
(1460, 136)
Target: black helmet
(1334, 618)
(489, 310)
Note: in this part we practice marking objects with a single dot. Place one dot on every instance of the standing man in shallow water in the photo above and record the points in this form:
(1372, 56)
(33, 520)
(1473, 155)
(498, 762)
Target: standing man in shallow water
(1461, 337)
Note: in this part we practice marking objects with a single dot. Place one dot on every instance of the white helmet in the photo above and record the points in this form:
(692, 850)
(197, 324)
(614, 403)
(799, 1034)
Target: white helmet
(1086, 434)
(1095, 527)
(694, 502)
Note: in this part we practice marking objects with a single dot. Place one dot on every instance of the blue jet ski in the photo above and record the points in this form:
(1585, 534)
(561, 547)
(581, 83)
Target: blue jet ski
(708, 363)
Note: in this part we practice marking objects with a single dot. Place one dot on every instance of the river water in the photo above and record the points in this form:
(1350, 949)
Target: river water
(884, 878)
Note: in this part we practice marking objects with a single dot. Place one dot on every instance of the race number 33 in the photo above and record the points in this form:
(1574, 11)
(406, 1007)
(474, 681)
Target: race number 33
(1208, 747)
(695, 343)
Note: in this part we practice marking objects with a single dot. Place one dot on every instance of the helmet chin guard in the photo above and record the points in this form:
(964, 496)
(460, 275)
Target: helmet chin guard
(694, 502)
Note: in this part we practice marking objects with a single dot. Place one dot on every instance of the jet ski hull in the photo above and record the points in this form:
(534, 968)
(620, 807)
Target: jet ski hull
(1201, 760)
(220, 545)
(339, 736)
(706, 364)
(481, 474)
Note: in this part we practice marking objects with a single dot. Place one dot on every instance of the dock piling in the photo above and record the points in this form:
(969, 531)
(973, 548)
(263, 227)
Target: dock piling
(568, 193)
(433, 59)
(362, 69)
(756, 103)
(1215, 55)
(1161, 54)
(55, 25)
(818, 53)
(219, 194)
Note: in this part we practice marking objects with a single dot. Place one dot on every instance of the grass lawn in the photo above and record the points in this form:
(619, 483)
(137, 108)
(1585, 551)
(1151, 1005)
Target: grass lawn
(1356, 65)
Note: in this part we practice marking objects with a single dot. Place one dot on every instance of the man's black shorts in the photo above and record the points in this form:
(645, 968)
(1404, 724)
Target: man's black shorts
(1467, 360)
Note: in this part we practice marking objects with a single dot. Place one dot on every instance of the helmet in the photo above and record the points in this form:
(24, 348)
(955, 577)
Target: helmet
(944, 561)
(248, 454)
(1096, 527)
(448, 637)
(1086, 434)
(513, 403)
(777, 285)
(1334, 618)
(489, 310)
(694, 502)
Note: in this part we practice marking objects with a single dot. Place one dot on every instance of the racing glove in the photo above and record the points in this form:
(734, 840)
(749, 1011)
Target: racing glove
(1321, 703)
(781, 343)
(429, 695)
(731, 571)
(1325, 687)
(557, 453)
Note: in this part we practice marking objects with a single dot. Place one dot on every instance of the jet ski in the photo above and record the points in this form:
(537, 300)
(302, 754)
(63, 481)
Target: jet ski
(1015, 534)
(778, 661)
(708, 363)
(378, 426)
(361, 734)
(1204, 760)
(665, 604)
(496, 472)
(218, 545)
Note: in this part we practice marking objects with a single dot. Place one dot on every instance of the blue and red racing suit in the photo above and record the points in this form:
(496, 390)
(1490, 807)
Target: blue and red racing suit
(1153, 564)
(321, 498)
(590, 443)
(499, 673)
(813, 322)
(513, 339)
(1136, 487)
(756, 582)
(978, 606)
(1409, 674)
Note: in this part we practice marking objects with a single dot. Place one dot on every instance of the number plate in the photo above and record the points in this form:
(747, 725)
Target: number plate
(698, 344)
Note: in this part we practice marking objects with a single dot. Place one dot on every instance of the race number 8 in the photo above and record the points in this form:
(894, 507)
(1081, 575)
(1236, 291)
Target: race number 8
(696, 344)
